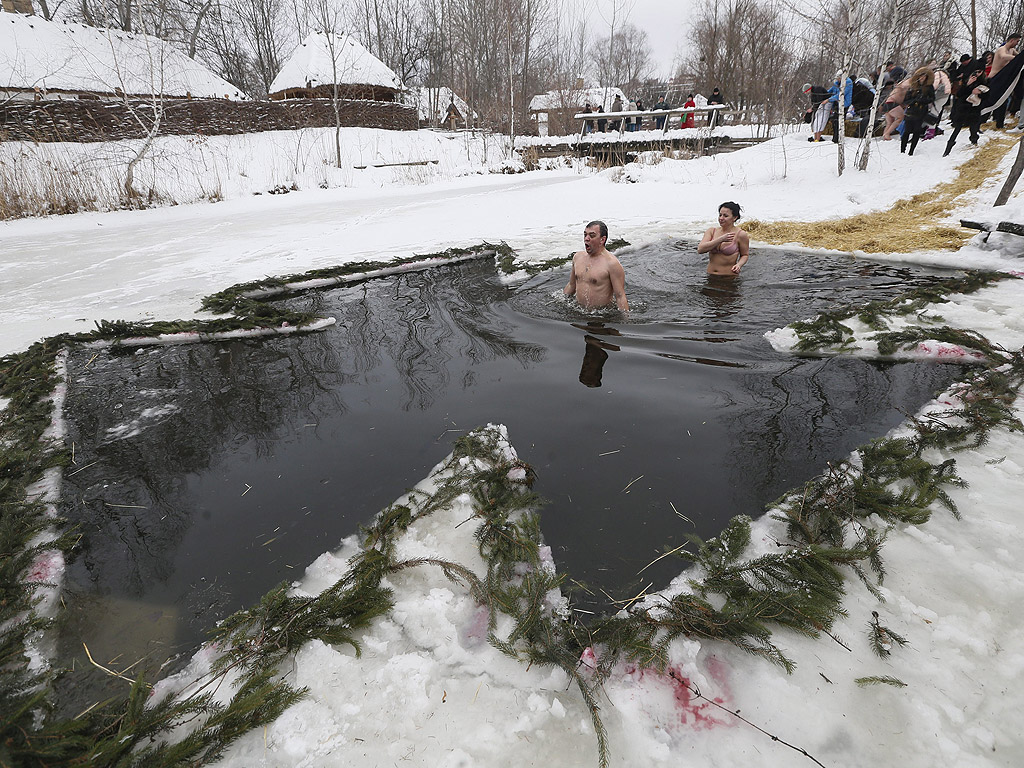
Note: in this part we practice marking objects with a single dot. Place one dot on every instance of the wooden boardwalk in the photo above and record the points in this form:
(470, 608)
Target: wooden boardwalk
(626, 149)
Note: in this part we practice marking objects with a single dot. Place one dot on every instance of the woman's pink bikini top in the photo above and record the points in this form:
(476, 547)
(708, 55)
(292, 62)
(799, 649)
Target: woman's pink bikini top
(729, 249)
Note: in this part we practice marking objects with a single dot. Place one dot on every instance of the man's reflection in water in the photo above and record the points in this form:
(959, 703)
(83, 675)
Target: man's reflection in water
(594, 353)
(723, 295)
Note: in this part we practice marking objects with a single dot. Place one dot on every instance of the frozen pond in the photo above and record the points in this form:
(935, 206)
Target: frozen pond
(206, 474)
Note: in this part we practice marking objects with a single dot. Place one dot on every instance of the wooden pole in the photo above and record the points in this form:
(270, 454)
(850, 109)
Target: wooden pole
(1011, 180)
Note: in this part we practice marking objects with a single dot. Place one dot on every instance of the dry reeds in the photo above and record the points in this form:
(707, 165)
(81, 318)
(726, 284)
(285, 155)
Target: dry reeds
(914, 224)
(52, 186)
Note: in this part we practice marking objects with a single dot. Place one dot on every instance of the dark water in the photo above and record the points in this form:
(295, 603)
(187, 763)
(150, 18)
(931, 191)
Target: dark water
(249, 459)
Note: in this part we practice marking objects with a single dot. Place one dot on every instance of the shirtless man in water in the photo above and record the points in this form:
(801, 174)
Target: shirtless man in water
(727, 246)
(597, 276)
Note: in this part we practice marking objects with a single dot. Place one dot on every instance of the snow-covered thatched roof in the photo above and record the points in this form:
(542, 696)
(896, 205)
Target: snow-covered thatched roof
(432, 103)
(312, 64)
(577, 98)
(58, 56)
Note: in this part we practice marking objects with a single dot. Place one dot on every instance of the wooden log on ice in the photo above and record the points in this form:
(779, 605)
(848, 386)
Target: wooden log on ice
(979, 225)
(1010, 226)
(391, 165)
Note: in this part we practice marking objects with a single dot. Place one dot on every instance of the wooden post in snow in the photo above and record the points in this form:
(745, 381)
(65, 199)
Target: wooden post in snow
(1011, 180)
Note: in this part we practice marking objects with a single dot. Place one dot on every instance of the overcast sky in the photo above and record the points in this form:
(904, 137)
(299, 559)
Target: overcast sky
(665, 23)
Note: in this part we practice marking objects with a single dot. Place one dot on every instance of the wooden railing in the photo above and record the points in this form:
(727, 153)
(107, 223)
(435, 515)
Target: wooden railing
(653, 114)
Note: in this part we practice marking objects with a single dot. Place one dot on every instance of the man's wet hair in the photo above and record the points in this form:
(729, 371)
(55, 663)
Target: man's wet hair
(601, 227)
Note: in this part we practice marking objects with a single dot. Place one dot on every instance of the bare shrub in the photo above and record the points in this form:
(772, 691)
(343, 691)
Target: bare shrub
(30, 187)
(531, 158)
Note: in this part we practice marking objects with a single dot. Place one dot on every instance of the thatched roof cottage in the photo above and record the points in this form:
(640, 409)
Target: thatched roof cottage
(322, 59)
(51, 60)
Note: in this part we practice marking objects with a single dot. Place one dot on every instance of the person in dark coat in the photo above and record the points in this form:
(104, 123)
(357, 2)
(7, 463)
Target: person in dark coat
(588, 125)
(714, 98)
(919, 98)
(638, 121)
(893, 73)
(967, 107)
(862, 100)
(958, 75)
(659, 122)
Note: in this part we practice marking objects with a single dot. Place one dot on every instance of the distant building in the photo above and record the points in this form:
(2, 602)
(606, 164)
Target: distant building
(552, 112)
(18, 6)
(442, 108)
(44, 60)
(323, 60)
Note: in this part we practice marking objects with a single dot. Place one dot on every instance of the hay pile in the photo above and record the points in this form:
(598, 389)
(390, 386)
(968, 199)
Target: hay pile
(910, 225)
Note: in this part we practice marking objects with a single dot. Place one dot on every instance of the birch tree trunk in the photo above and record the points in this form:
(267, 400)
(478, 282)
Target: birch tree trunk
(511, 90)
(890, 49)
(851, 21)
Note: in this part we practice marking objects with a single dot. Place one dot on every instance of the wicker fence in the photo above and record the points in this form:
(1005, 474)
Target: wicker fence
(94, 120)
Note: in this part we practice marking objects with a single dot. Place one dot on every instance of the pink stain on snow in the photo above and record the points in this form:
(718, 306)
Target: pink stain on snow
(588, 658)
(475, 632)
(944, 350)
(692, 710)
(45, 567)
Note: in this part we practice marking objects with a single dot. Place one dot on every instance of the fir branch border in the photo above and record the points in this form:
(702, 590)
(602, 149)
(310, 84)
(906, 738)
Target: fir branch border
(831, 524)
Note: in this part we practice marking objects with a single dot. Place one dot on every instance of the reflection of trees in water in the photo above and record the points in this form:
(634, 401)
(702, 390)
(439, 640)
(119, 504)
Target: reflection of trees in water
(244, 397)
(424, 322)
(189, 403)
(804, 413)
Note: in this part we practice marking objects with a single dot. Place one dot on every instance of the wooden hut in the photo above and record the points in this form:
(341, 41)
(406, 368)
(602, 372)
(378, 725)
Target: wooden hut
(442, 108)
(44, 60)
(323, 60)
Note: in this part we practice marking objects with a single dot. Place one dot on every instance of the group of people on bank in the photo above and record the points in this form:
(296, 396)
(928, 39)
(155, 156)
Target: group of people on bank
(636, 123)
(914, 104)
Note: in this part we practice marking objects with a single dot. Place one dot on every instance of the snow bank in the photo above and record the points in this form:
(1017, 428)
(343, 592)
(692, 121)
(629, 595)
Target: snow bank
(993, 312)
(185, 169)
(48, 567)
(430, 690)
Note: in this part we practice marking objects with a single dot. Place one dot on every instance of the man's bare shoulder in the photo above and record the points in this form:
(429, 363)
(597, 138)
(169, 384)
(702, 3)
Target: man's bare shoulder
(611, 258)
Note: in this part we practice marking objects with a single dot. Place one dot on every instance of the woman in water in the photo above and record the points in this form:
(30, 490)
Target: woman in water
(727, 245)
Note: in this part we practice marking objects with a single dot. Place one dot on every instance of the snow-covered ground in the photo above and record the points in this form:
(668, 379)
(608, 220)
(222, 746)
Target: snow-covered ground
(429, 690)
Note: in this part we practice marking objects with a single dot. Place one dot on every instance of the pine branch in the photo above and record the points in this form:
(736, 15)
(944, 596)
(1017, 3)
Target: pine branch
(882, 638)
(895, 682)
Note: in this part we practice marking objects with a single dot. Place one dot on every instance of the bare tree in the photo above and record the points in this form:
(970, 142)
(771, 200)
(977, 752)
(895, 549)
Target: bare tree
(898, 8)
(262, 25)
(327, 17)
(630, 60)
(745, 48)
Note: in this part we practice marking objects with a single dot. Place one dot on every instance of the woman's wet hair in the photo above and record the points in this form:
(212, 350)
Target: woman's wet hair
(734, 207)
